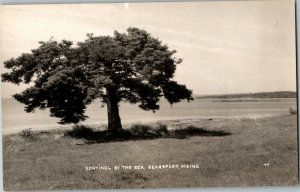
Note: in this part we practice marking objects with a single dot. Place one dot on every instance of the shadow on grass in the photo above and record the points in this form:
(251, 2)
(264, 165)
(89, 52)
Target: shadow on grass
(139, 132)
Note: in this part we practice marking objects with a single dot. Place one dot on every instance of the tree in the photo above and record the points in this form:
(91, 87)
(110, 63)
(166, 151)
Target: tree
(131, 67)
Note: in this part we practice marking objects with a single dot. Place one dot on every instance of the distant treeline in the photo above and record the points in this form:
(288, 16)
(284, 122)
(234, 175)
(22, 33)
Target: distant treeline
(276, 94)
(236, 100)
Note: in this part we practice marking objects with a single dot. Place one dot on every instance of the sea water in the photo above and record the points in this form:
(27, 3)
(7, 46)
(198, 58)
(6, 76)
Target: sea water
(15, 118)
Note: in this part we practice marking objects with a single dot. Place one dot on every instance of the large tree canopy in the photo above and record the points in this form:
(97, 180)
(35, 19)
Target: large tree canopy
(132, 67)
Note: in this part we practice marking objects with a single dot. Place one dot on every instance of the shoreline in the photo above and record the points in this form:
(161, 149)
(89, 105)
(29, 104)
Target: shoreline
(126, 124)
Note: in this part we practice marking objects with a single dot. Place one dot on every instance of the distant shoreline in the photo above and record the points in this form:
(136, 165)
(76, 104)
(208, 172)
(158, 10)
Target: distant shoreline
(275, 94)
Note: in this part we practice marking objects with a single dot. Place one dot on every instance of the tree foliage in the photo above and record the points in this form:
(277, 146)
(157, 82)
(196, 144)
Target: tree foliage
(132, 67)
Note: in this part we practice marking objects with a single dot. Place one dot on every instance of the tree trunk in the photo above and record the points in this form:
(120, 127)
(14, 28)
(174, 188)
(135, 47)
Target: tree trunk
(114, 120)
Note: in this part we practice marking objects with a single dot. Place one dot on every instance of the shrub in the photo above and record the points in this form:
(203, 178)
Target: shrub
(162, 127)
(142, 131)
(138, 132)
(80, 131)
(147, 131)
(138, 129)
(28, 134)
(162, 130)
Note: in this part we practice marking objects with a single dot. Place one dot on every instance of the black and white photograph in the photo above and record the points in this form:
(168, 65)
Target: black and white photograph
(149, 95)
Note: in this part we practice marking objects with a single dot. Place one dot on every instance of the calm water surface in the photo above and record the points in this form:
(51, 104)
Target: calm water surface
(15, 119)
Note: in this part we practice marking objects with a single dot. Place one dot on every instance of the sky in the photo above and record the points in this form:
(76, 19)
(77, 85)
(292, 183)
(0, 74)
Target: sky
(226, 46)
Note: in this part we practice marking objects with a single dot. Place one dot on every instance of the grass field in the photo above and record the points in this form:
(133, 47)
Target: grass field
(254, 152)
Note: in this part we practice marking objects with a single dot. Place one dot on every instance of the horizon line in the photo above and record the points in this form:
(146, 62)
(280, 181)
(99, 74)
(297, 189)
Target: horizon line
(214, 94)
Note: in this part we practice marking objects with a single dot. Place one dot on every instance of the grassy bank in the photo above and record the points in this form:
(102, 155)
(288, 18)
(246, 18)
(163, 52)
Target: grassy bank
(252, 152)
